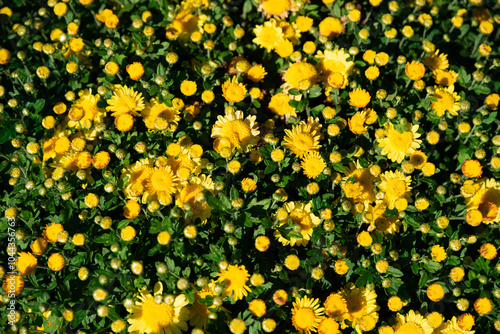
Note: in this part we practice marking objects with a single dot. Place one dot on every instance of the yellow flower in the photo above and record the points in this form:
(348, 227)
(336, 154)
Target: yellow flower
(39, 246)
(78, 239)
(415, 70)
(304, 23)
(76, 44)
(302, 217)
(279, 105)
(111, 68)
(125, 101)
(395, 185)
(242, 133)
(436, 61)
(359, 98)
(306, 314)
(257, 307)
(372, 73)
(268, 35)
(188, 87)
(101, 159)
(301, 140)
(483, 306)
(361, 190)
(131, 209)
(148, 316)
(445, 78)
(292, 262)
(190, 194)
(26, 263)
(248, 185)
(91, 200)
(438, 253)
(13, 284)
(492, 101)
(159, 116)
(312, 164)
(56, 262)
(397, 145)
(256, 73)
(124, 122)
(128, 233)
(233, 91)
(412, 322)
(361, 307)
(51, 231)
(331, 27)
(161, 185)
(435, 292)
(364, 239)
(135, 70)
(276, 7)
(60, 9)
(335, 62)
(358, 120)
(447, 100)
(284, 48)
(235, 278)
(486, 199)
(395, 304)
(488, 251)
(298, 72)
(472, 168)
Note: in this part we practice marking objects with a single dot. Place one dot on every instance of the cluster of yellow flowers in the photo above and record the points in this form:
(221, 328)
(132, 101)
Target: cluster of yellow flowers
(263, 166)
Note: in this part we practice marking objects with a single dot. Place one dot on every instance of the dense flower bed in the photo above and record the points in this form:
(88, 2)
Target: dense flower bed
(252, 166)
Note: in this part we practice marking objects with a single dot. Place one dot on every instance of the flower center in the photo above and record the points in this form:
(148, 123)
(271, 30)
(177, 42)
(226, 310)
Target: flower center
(157, 316)
(303, 141)
(356, 307)
(161, 180)
(301, 217)
(396, 187)
(444, 100)
(401, 141)
(410, 328)
(305, 318)
(269, 35)
(236, 131)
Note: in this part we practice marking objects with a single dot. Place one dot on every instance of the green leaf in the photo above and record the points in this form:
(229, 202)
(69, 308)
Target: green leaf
(481, 89)
(395, 272)
(39, 104)
(423, 279)
(339, 167)
(102, 239)
(433, 266)
(315, 92)
(491, 118)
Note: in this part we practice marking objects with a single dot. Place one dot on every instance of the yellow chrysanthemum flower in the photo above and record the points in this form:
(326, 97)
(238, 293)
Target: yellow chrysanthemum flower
(412, 322)
(447, 100)
(397, 145)
(268, 35)
(235, 278)
(279, 105)
(301, 139)
(125, 101)
(395, 185)
(233, 91)
(151, 317)
(313, 164)
(335, 62)
(436, 61)
(242, 133)
(302, 217)
(306, 314)
(486, 199)
(298, 72)
(361, 309)
(158, 116)
(189, 194)
(162, 183)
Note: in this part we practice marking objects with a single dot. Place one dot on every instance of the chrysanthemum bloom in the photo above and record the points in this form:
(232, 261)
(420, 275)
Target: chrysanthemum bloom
(412, 322)
(298, 72)
(301, 215)
(328, 326)
(262, 243)
(161, 185)
(312, 164)
(303, 138)
(488, 251)
(188, 87)
(438, 253)
(465, 322)
(457, 274)
(233, 91)
(5, 56)
(483, 306)
(13, 284)
(241, 132)
(56, 262)
(447, 100)
(131, 209)
(304, 23)
(76, 44)
(358, 120)
(51, 231)
(78, 239)
(335, 62)
(91, 200)
(279, 105)
(372, 73)
(257, 307)
(397, 145)
(108, 18)
(189, 195)
(341, 267)
(306, 314)
(364, 239)
(335, 305)
(199, 313)
(359, 98)
(128, 233)
(158, 116)
(136, 177)
(395, 304)
(39, 246)
(280, 297)
(445, 78)
(361, 308)
(292, 262)
(418, 159)
(135, 70)
(492, 101)
(101, 159)
(111, 68)
(125, 101)
(361, 190)
(256, 73)
(26, 263)
(435, 292)
(435, 319)
(395, 185)
(436, 61)
(268, 35)
(472, 168)
(148, 316)
(248, 185)
(235, 278)
(284, 48)
(277, 8)
(331, 27)
(415, 70)
(83, 160)
(486, 199)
